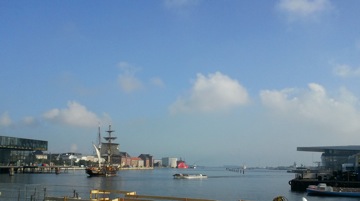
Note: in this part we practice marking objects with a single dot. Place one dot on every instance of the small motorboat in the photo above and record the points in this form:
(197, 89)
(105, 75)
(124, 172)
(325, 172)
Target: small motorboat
(189, 176)
(323, 190)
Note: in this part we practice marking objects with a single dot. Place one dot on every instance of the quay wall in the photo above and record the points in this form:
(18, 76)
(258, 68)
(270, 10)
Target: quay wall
(52, 169)
(302, 184)
(36, 169)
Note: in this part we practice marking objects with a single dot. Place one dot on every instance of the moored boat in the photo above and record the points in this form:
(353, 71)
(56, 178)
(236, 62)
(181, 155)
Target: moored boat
(181, 164)
(107, 169)
(101, 171)
(323, 190)
(189, 176)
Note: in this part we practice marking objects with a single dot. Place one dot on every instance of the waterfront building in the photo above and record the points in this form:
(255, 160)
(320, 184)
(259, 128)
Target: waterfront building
(144, 160)
(125, 159)
(148, 160)
(19, 151)
(157, 163)
(136, 162)
(333, 158)
(92, 159)
(70, 156)
(169, 162)
(39, 155)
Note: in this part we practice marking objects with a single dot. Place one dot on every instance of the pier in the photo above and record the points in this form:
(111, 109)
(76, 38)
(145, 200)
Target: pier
(11, 170)
(237, 169)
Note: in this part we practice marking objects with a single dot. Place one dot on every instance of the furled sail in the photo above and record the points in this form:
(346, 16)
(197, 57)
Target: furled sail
(98, 154)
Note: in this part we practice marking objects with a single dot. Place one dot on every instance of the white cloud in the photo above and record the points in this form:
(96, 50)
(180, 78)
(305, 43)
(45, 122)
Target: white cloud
(216, 92)
(28, 121)
(127, 80)
(129, 83)
(5, 120)
(303, 9)
(74, 115)
(157, 82)
(316, 107)
(344, 70)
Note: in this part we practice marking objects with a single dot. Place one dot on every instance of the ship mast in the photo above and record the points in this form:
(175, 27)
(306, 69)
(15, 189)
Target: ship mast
(108, 139)
(99, 137)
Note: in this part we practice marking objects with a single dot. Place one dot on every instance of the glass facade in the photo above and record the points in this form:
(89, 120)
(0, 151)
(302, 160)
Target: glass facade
(18, 151)
(22, 144)
(333, 159)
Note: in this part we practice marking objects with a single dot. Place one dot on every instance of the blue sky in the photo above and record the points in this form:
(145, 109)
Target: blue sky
(213, 82)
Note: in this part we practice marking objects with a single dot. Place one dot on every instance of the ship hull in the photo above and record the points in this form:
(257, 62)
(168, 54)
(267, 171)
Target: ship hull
(101, 171)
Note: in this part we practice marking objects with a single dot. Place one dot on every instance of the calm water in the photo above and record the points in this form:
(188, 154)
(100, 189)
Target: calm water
(254, 185)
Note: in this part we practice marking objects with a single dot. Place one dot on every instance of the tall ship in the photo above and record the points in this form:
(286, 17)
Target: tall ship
(106, 149)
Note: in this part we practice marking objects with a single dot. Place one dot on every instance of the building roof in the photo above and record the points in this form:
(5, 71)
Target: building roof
(327, 148)
(125, 154)
(146, 156)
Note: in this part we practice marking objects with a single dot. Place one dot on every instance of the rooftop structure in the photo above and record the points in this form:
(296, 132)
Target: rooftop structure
(348, 148)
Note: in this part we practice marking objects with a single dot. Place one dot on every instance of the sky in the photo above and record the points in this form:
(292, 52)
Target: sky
(212, 82)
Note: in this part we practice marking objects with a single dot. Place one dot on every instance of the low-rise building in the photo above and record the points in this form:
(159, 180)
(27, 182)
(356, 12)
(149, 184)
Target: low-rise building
(125, 159)
(148, 160)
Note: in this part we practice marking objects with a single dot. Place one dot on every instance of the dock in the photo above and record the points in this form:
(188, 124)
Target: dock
(36, 169)
(302, 184)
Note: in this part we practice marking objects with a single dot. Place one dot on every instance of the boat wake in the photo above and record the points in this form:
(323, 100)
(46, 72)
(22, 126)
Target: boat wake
(233, 176)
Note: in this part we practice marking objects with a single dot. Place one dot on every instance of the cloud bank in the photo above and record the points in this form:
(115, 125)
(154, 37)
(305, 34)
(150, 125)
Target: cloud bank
(74, 115)
(212, 93)
(314, 106)
(303, 9)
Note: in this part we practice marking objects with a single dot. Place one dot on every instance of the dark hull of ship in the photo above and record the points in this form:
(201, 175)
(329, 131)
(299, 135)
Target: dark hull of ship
(101, 171)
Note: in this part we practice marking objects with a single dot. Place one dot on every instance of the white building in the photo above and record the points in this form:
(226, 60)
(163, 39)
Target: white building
(169, 162)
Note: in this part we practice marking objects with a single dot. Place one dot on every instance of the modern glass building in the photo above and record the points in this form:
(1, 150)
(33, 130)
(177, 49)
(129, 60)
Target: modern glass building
(333, 157)
(16, 151)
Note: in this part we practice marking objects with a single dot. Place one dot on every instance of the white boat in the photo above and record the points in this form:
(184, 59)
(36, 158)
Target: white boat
(323, 190)
(189, 176)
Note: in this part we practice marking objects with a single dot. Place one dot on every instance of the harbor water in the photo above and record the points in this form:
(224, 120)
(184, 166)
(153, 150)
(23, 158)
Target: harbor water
(253, 185)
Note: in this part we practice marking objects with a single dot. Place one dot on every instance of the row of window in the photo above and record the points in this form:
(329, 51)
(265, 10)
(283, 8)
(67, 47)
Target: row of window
(22, 144)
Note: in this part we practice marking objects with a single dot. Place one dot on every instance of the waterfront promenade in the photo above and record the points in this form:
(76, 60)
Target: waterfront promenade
(37, 169)
(51, 169)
